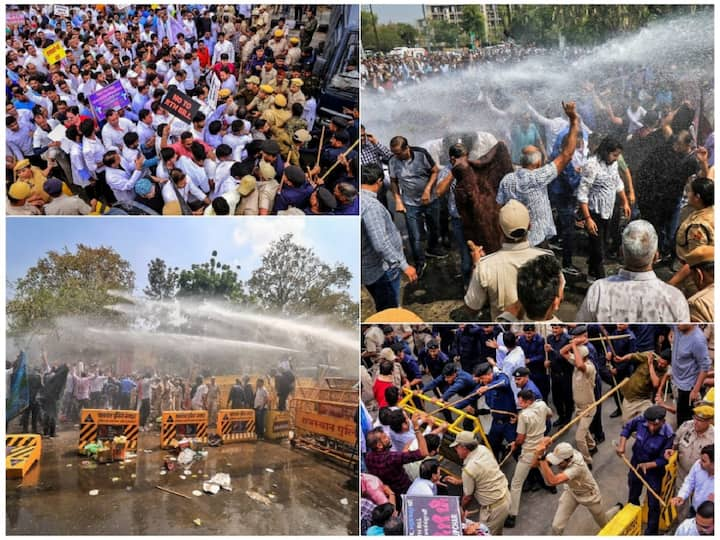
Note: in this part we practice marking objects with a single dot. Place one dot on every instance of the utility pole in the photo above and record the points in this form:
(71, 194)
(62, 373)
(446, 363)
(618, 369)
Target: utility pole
(372, 17)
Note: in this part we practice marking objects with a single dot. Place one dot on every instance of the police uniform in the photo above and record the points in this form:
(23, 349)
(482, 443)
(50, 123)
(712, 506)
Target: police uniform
(580, 489)
(648, 447)
(561, 373)
(702, 303)
(583, 388)
(501, 399)
(688, 444)
(483, 479)
(531, 423)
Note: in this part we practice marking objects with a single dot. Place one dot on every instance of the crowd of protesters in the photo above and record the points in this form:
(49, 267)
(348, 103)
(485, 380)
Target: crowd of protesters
(636, 148)
(256, 145)
(527, 382)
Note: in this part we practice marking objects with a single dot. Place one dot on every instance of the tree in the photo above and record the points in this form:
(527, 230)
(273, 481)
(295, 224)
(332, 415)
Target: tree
(294, 281)
(444, 33)
(407, 33)
(162, 280)
(473, 21)
(66, 283)
(211, 279)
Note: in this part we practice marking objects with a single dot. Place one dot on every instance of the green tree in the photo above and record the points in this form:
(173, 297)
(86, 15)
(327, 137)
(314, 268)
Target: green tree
(211, 279)
(162, 280)
(473, 21)
(444, 33)
(294, 281)
(407, 33)
(65, 283)
(368, 21)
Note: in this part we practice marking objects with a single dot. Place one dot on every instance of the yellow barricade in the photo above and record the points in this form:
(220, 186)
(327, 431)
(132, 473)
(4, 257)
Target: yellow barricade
(627, 522)
(183, 424)
(236, 425)
(106, 424)
(456, 426)
(668, 514)
(22, 451)
(277, 424)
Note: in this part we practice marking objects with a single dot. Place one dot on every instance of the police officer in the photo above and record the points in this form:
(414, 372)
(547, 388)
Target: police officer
(433, 359)
(498, 398)
(452, 381)
(583, 381)
(616, 348)
(465, 346)
(532, 345)
(601, 371)
(652, 438)
(561, 372)
(580, 486)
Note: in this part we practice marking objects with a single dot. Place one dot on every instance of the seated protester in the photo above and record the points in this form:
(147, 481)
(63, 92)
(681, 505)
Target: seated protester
(426, 483)
(433, 441)
(194, 166)
(180, 188)
(149, 193)
(61, 204)
(373, 488)
(348, 201)
(224, 180)
(238, 138)
(18, 195)
(122, 182)
(322, 202)
(232, 202)
(703, 524)
(381, 514)
(267, 187)
(295, 190)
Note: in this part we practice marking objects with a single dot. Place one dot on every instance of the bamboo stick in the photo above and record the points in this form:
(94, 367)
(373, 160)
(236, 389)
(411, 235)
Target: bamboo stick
(635, 471)
(166, 490)
(345, 153)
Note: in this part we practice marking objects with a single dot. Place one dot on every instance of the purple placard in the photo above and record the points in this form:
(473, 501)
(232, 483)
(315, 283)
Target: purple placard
(15, 18)
(110, 97)
(432, 516)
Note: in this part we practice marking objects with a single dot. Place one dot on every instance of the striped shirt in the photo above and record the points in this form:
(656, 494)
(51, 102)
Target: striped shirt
(530, 188)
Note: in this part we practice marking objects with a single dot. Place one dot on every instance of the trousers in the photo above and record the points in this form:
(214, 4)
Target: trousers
(583, 440)
(567, 505)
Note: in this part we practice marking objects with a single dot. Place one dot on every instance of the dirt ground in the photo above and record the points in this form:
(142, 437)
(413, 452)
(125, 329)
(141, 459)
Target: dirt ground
(307, 494)
(438, 296)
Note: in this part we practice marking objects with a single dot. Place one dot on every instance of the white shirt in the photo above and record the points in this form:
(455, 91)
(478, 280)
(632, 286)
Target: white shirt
(77, 165)
(93, 151)
(144, 132)
(223, 181)
(122, 183)
(422, 487)
(168, 192)
(224, 47)
(195, 172)
(514, 359)
(114, 137)
(238, 144)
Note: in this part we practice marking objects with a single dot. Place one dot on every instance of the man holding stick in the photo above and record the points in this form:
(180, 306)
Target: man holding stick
(583, 386)
(652, 438)
(580, 486)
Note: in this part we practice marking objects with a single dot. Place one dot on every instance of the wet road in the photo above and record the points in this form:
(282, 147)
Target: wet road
(305, 493)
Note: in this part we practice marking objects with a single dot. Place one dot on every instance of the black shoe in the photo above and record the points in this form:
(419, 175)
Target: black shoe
(600, 439)
(436, 253)
(589, 466)
(615, 413)
(509, 522)
(593, 451)
(535, 487)
(559, 422)
(550, 489)
(527, 487)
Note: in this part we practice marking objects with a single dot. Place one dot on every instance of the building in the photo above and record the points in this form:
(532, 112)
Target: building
(494, 24)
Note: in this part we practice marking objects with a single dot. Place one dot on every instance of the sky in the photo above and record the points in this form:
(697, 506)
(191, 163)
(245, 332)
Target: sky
(182, 241)
(405, 13)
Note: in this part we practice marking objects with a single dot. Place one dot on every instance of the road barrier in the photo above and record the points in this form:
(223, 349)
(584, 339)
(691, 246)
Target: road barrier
(22, 451)
(627, 522)
(235, 425)
(105, 424)
(183, 424)
(277, 424)
(456, 426)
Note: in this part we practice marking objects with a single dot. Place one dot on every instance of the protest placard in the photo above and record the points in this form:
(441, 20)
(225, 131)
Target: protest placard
(432, 516)
(110, 97)
(180, 105)
(54, 53)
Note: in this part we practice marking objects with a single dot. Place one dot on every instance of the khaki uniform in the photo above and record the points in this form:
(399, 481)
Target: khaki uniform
(276, 117)
(531, 423)
(262, 105)
(293, 55)
(213, 401)
(278, 47)
(495, 277)
(297, 97)
(268, 77)
(697, 229)
(267, 190)
(702, 305)
(483, 479)
(583, 386)
(688, 444)
(580, 489)
(638, 393)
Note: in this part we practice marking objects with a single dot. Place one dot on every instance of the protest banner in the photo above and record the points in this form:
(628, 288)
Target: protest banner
(213, 92)
(180, 105)
(111, 97)
(61, 11)
(54, 53)
(432, 516)
(15, 18)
